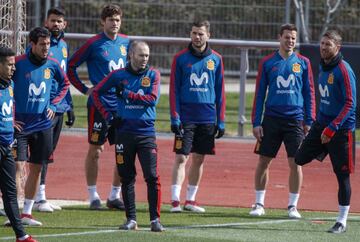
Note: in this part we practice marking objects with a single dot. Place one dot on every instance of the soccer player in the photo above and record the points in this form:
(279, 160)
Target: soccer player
(103, 53)
(333, 132)
(138, 90)
(283, 110)
(56, 24)
(36, 102)
(7, 162)
(197, 110)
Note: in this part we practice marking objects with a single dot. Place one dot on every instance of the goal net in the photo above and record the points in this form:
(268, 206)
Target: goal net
(12, 24)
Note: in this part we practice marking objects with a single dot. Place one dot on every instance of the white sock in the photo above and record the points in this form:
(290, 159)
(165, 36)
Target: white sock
(191, 192)
(175, 192)
(40, 196)
(343, 214)
(293, 199)
(114, 193)
(24, 237)
(93, 195)
(260, 196)
(28, 205)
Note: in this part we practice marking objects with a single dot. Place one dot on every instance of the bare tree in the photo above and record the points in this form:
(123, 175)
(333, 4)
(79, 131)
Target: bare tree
(304, 29)
(331, 7)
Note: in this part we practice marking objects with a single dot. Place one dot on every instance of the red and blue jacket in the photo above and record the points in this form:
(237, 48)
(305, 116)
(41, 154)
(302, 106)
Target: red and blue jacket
(197, 92)
(33, 84)
(59, 50)
(337, 88)
(286, 86)
(7, 112)
(102, 56)
(136, 106)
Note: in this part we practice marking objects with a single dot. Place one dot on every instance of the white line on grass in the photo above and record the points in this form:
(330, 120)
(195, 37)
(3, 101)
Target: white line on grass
(196, 226)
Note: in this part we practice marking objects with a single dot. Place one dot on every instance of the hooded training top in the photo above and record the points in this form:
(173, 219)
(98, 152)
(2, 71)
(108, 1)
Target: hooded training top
(59, 50)
(6, 112)
(136, 105)
(288, 87)
(337, 88)
(102, 56)
(32, 87)
(197, 93)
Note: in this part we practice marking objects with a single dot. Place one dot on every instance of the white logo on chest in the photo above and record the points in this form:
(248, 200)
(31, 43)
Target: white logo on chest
(199, 81)
(33, 89)
(115, 66)
(6, 109)
(324, 91)
(285, 83)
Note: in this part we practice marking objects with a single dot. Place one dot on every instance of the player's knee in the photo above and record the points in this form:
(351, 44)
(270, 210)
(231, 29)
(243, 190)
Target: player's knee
(181, 159)
(127, 180)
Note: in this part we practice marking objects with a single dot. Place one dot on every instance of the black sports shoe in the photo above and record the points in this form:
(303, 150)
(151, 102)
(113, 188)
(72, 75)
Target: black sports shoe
(115, 204)
(156, 226)
(95, 204)
(129, 225)
(338, 228)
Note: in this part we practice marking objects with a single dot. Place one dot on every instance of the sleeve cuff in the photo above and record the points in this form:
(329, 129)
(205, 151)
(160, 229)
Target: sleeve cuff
(328, 132)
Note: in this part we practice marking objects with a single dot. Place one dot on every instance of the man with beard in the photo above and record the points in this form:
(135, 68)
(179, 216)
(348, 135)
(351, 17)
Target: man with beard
(197, 110)
(56, 24)
(333, 132)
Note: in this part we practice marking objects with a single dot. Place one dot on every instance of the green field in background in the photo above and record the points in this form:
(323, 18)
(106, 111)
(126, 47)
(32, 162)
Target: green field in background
(162, 123)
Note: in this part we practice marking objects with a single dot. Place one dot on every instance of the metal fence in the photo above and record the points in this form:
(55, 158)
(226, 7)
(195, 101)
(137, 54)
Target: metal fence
(230, 19)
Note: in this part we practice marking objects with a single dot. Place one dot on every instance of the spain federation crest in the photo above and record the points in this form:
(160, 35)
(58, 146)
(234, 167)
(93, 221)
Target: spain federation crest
(210, 64)
(123, 50)
(11, 91)
(145, 81)
(47, 73)
(330, 79)
(296, 68)
(64, 52)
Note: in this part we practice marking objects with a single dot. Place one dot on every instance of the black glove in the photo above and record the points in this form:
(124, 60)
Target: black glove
(70, 118)
(119, 89)
(219, 133)
(176, 129)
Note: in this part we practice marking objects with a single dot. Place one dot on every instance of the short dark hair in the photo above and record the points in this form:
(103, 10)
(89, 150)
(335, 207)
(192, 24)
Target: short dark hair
(334, 36)
(111, 10)
(201, 23)
(38, 32)
(56, 11)
(290, 27)
(5, 52)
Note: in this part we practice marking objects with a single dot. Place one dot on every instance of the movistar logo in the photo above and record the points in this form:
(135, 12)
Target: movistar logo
(198, 81)
(97, 125)
(324, 91)
(33, 89)
(115, 66)
(119, 148)
(63, 65)
(285, 83)
(6, 109)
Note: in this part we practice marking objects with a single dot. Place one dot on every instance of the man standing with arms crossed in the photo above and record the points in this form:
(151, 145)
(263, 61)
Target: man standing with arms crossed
(333, 132)
(56, 24)
(285, 85)
(197, 110)
(7, 162)
(35, 109)
(102, 53)
(138, 90)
